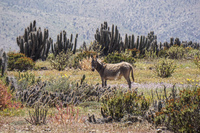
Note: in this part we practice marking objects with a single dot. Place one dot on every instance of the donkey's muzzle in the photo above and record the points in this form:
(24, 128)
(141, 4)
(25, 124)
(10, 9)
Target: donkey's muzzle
(93, 68)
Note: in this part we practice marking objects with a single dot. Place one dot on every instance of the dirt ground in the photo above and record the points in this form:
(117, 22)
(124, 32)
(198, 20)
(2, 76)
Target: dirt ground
(19, 125)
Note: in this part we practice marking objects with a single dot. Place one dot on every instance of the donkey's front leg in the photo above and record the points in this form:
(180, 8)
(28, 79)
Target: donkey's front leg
(103, 82)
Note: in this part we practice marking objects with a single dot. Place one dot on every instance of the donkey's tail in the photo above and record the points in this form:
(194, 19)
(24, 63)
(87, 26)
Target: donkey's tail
(132, 72)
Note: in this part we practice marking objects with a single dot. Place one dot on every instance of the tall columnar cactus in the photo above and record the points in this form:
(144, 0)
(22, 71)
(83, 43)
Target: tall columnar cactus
(110, 41)
(177, 42)
(64, 44)
(171, 41)
(34, 43)
(3, 62)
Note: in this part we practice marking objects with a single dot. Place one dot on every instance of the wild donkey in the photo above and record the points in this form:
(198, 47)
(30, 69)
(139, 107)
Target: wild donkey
(113, 71)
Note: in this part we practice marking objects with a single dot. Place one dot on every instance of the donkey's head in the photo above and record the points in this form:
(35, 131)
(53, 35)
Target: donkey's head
(94, 63)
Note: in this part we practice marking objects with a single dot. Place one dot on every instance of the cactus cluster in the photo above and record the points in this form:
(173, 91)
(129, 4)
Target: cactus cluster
(34, 43)
(177, 42)
(75, 94)
(111, 41)
(64, 44)
(3, 62)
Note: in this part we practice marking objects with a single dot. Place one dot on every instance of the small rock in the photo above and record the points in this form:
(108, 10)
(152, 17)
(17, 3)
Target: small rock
(159, 131)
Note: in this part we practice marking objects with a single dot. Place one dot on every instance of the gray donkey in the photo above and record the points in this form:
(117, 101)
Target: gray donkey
(113, 71)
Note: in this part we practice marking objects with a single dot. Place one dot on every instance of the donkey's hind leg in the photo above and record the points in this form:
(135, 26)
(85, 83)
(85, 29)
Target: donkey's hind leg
(128, 81)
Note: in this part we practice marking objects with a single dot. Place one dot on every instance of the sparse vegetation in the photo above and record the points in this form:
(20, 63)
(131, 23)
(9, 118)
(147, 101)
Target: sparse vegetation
(66, 87)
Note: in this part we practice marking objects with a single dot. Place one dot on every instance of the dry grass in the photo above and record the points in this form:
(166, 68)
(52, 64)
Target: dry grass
(143, 73)
(85, 64)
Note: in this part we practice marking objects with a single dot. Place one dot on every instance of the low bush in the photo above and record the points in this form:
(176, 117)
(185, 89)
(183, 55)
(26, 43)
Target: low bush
(190, 53)
(61, 61)
(164, 67)
(24, 63)
(121, 103)
(19, 61)
(76, 60)
(176, 52)
(162, 53)
(119, 57)
(59, 84)
(13, 57)
(150, 55)
(24, 80)
(181, 113)
(66, 115)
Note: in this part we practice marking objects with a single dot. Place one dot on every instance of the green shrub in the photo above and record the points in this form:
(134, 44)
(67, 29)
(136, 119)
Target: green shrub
(121, 103)
(19, 61)
(150, 54)
(176, 52)
(181, 114)
(164, 67)
(24, 63)
(13, 57)
(197, 61)
(162, 53)
(61, 61)
(119, 57)
(59, 84)
(190, 53)
(25, 80)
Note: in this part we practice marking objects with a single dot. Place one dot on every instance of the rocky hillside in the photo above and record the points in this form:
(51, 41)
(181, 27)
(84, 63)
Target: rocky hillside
(167, 18)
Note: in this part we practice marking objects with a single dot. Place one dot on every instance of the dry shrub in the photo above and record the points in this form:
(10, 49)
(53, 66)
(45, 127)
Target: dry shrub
(6, 98)
(85, 64)
(67, 115)
(38, 117)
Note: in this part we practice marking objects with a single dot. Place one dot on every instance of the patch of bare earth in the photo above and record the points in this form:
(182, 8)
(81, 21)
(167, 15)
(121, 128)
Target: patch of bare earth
(18, 124)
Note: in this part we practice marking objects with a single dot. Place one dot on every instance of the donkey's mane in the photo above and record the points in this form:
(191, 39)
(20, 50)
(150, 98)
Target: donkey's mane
(102, 64)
